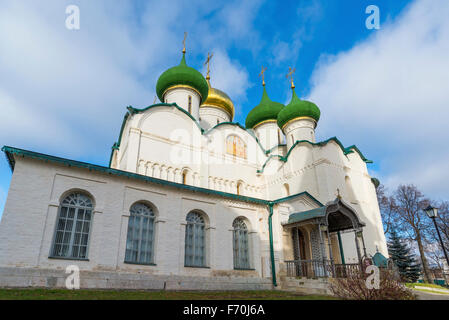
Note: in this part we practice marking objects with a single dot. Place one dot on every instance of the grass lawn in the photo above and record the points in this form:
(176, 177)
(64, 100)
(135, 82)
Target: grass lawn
(429, 285)
(430, 291)
(421, 287)
(64, 294)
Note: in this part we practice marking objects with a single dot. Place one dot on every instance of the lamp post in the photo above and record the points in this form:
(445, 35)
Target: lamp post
(432, 213)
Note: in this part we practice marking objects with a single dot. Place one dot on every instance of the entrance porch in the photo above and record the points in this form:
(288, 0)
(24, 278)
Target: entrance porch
(316, 247)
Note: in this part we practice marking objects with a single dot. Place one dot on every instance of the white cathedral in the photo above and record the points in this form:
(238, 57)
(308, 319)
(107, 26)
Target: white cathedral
(192, 200)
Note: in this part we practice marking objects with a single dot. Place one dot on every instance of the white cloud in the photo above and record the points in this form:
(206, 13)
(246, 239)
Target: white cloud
(390, 94)
(64, 92)
(56, 83)
(59, 85)
(309, 14)
(237, 20)
(18, 120)
(284, 51)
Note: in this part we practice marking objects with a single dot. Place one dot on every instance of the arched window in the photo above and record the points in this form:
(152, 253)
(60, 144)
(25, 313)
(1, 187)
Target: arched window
(140, 238)
(195, 243)
(241, 244)
(235, 146)
(184, 177)
(240, 188)
(71, 237)
(190, 104)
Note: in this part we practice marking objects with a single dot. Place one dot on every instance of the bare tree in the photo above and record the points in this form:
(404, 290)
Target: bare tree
(411, 220)
(443, 222)
(434, 254)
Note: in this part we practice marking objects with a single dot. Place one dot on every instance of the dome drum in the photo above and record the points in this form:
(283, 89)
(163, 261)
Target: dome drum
(315, 123)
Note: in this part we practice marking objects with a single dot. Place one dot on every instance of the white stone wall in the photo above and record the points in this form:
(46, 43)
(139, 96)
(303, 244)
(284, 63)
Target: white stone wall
(156, 140)
(269, 134)
(301, 129)
(180, 96)
(165, 143)
(210, 117)
(28, 223)
(321, 170)
(53, 278)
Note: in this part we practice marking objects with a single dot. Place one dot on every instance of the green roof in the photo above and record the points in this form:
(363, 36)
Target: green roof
(266, 110)
(11, 151)
(132, 110)
(182, 75)
(380, 260)
(376, 182)
(306, 215)
(325, 214)
(298, 108)
(346, 151)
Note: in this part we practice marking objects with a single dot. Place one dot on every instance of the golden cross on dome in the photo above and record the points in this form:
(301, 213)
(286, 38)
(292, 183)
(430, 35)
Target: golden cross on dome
(209, 56)
(184, 43)
(290, 74)
(262, 74)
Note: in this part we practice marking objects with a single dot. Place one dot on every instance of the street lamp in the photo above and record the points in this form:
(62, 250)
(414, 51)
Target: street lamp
(432, 213)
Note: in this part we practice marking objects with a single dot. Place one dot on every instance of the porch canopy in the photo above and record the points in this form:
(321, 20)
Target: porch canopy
(336, 215)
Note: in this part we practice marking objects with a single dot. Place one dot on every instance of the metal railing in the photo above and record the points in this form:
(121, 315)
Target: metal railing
(319, 269)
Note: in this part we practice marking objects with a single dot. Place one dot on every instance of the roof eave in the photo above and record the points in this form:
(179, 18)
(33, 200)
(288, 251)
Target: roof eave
(11, 151)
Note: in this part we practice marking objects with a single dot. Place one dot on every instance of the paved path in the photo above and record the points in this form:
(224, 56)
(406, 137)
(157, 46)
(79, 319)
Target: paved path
(430, 296)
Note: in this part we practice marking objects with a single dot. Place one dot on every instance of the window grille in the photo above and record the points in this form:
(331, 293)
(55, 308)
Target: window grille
(71, 237)
(140, 238)
(241, 244)
(195, 242)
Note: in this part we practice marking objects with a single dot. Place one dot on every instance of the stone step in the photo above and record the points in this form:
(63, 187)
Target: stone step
(306, 286)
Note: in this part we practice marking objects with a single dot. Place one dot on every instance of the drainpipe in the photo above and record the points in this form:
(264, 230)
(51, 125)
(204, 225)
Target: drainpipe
(270, 231)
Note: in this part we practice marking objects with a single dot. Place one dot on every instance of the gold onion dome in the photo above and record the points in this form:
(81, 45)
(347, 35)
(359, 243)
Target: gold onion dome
(218, 99)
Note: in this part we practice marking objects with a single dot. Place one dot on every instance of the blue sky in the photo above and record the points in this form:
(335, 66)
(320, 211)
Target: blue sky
(64, 92)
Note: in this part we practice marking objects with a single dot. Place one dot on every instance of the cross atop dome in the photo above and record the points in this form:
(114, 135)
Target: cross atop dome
(209, 57)
(262, 74)
(290, 75)
(184, 43)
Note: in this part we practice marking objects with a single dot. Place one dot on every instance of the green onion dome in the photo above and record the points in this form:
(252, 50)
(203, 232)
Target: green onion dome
(265, 111)
(298, 108)
(182, 75)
